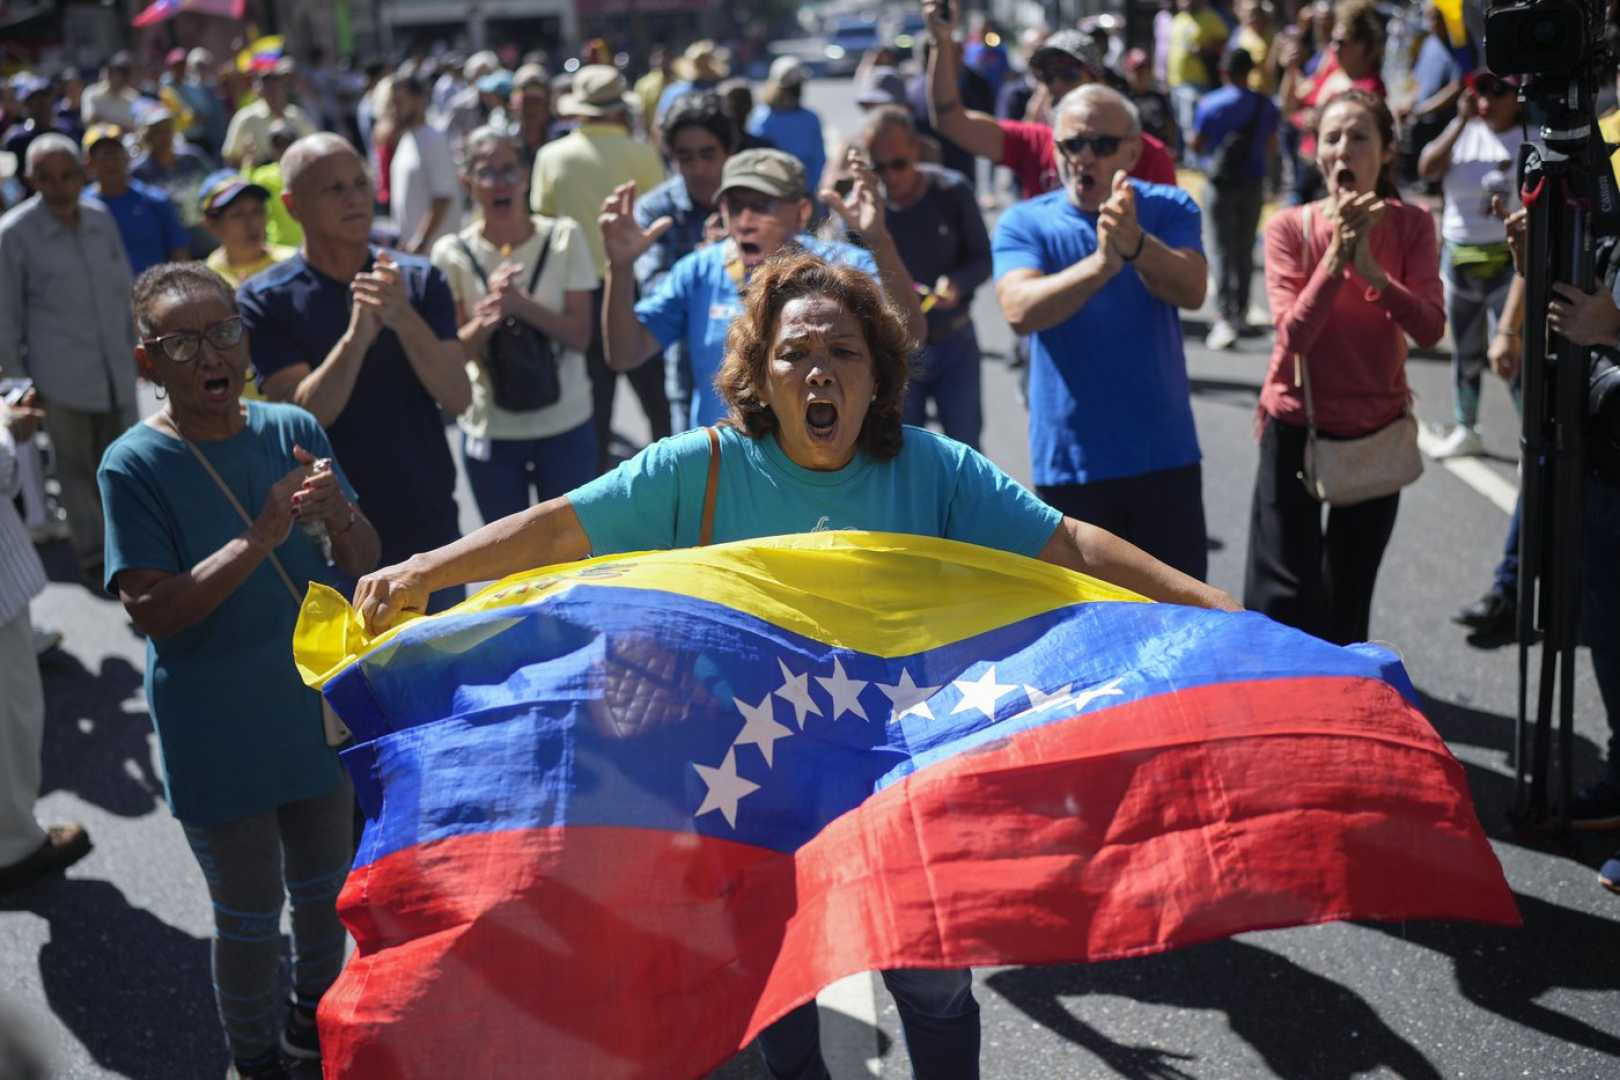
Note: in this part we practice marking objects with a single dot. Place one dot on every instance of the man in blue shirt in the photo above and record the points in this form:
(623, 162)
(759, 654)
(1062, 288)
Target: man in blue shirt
(698, 136)
(147, 220)
(366, 340)
(1236, 130)
(1096, 271)
(765, 205)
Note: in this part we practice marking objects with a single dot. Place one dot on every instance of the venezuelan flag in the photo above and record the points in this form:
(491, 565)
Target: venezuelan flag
(626, 812)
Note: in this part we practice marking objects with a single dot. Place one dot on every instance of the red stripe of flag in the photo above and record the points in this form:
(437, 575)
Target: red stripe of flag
(612, 952)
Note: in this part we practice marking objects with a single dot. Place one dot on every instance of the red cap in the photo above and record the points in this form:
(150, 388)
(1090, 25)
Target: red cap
(174, 56)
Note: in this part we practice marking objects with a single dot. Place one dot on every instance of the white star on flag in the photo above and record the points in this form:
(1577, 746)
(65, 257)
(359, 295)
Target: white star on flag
(726, 788)
(1040, 699)
(796, 692)
(1107, 689)
(845, 691)
(982, 693)
(759, 727)
(908, 697)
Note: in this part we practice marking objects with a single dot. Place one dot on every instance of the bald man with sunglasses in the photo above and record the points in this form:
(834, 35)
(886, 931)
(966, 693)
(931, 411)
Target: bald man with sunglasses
(1097, 272)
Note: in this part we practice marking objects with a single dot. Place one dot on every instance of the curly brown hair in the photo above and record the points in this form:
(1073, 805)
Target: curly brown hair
(789, 275)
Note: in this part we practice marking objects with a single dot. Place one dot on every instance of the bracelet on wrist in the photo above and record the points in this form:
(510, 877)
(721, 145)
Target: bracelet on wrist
(1141, 242)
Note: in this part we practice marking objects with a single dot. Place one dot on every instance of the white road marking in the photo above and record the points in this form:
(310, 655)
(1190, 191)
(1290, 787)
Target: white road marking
(1471, 471)
(853, 997)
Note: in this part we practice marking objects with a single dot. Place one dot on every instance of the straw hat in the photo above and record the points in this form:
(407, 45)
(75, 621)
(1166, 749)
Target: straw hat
(702, 62)
(598, 90)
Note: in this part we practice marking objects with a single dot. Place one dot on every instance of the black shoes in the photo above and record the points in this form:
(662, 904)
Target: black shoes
(64, 845)
(1493, 615)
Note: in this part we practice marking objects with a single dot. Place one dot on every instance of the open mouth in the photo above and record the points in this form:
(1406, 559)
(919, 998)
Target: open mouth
(748, 248)
(821, 419)
(1087, 181)
(1345, 180)
(502, 202)
(217, 388)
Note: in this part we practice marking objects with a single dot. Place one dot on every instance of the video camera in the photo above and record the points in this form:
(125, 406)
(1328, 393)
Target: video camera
(1543, 37)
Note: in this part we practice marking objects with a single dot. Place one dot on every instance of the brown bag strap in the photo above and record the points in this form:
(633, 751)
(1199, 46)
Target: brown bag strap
(1302, 370)
(711, 489)
(230, 496)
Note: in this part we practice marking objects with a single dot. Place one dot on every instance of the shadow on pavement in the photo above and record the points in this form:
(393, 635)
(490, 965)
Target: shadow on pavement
(837, 1029)
(92, 747)
(1300, 1023)
(133, 990)
(1239, 393)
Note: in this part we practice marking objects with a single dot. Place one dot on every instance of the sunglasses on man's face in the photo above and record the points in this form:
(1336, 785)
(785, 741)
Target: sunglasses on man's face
(894, 165)
(1050, 72)
(1490, 86)
(182, 346)
(1101, 145)
(734, 204)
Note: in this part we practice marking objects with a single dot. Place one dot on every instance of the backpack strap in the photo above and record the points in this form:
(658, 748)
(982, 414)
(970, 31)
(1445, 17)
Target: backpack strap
(711, 489)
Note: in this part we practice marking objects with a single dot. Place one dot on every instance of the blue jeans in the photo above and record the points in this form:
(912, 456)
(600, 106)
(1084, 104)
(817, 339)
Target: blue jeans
(552, 466)
(937, 1012)
(947, 371)
(1473, 305)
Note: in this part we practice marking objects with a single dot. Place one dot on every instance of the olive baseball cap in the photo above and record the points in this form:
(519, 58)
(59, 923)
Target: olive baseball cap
(770, 172)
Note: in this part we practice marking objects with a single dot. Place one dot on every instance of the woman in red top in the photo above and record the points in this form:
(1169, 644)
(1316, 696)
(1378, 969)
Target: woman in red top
(1344, 299)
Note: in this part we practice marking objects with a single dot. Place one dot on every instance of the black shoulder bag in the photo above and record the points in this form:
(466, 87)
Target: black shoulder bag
(520, 360)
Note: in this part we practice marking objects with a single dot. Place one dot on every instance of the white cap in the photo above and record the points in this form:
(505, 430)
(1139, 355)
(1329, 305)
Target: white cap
(788, 71)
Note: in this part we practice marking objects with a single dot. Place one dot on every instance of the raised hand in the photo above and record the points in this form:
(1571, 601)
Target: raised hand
(319, 497)
(275, 520)
(623, 239)
(862, 210)
(382, 290)
(1116, 219)
(940, 16)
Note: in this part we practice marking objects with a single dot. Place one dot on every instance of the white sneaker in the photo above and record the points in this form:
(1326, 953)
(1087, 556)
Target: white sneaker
(1461, 441)
(1222, 335)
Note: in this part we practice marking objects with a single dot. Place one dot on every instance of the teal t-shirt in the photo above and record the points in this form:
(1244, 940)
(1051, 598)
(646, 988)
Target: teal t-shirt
(933, 487)
(239, 732)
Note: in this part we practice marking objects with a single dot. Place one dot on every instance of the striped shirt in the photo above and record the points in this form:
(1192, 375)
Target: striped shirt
(22, 577)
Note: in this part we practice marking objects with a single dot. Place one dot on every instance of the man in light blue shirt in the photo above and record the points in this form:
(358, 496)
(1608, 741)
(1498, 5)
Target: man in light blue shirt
(765, 205)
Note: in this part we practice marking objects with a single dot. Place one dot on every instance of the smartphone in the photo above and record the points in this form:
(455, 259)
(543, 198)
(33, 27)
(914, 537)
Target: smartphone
(18, 390)
(944, 7)
(844, 186)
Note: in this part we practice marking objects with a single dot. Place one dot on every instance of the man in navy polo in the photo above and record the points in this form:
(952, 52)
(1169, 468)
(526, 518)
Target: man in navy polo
(366, 341)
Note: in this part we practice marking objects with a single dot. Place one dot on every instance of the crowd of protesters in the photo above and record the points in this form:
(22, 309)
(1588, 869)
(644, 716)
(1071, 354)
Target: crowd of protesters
(358, 255)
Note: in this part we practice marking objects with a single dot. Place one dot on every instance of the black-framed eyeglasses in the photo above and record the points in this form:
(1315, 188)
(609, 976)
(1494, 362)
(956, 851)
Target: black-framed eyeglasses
(735, 204)
(489, 175)
(182, 345)
(1101, 145)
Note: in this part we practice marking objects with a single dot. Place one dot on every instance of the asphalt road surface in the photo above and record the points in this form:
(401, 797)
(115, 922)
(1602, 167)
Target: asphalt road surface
(108, 969)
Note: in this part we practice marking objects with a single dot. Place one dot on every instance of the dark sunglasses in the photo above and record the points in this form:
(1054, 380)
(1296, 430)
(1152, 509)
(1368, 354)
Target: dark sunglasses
(897, 165)
(489, 175)
(1101, 145)
(735, 204)
(1050, 72)
(182, 345)
(1491, 86)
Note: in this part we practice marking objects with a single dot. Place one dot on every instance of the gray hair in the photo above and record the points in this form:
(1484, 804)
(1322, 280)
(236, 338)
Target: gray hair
(44, 146)
(885, 117)
(483, 139)
(308, 150)
(1092, 95)
(185, 279)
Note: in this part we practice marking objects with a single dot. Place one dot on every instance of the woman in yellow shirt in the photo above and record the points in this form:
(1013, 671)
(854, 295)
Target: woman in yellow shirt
(233, 208)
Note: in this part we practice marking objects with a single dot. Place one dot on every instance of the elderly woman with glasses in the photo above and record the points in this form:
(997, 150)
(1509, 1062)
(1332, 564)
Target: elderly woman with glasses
(202, 500)
(812, 381)
(514, 276)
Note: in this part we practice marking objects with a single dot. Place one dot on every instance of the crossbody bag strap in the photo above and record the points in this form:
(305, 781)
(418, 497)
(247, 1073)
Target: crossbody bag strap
(1302, 369)
(710, 489)
(540, 261)
(230, 496)
(477, 269)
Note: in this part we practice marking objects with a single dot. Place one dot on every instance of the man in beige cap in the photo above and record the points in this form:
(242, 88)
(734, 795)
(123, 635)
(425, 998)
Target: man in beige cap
(765, 206)
(572, 177)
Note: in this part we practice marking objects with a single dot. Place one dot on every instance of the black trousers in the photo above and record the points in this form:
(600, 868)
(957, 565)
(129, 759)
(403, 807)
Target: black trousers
(1316, 577)
(647, 381)
(1160, 512)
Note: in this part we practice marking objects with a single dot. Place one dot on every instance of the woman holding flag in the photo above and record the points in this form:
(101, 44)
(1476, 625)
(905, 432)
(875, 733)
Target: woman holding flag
(814, 378)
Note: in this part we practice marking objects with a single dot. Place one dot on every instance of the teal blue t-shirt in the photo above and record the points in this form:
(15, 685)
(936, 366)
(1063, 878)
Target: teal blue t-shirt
(239, 732)
(933, 487)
